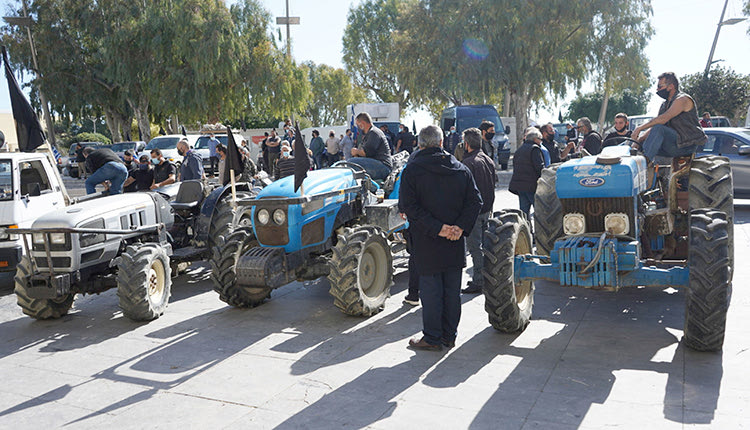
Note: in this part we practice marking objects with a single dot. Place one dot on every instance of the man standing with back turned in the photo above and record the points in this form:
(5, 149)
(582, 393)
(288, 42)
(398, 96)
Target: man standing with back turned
(441, 203)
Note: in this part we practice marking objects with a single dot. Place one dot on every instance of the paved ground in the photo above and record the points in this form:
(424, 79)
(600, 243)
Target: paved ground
(587, 360)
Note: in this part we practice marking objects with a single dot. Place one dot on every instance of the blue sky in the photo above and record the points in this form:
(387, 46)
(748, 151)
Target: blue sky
(684, 32)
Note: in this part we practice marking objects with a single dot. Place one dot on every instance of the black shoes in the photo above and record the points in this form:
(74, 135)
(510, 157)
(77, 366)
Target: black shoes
(472, 288)
(412, 301)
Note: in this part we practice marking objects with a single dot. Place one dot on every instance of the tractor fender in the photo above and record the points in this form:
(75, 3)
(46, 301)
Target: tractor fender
(208, 209)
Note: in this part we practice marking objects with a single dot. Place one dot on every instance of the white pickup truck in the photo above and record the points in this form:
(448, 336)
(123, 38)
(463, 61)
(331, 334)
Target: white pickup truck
(29, 188)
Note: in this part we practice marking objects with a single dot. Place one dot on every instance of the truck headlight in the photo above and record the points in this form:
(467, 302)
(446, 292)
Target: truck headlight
(617, 223)
(279, 216)
(574, 224)
(38, 238)
(263, 216)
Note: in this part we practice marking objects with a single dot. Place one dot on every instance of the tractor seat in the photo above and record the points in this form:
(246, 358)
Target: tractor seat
(189, 196)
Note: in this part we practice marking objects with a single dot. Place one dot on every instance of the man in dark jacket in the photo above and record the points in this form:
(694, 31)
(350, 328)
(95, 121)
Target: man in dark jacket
(318, 149)
(483, 170)
(592, 140)
(441, 203)
(528, 163)
(375, 154)
(621, 133)
(105, 166)
(548, 140)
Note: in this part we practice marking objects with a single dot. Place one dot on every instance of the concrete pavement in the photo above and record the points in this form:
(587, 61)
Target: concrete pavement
(588, 360)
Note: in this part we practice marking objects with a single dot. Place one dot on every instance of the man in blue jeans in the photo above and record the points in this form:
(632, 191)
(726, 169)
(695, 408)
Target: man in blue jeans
(676, 132)
(375, 154)
(106, 166)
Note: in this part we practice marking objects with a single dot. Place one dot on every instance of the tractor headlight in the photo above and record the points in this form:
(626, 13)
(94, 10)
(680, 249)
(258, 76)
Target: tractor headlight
(279, 217)
(574, 224)
(57, 238)
(617, 224)
(263, 216)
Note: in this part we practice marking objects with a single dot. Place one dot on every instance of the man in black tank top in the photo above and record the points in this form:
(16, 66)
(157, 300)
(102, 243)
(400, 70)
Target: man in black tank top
(676, 131)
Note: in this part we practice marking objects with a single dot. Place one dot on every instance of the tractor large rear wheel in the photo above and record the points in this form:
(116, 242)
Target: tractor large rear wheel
(547, 212)
(508, 304)
(144, 281)
(361, 272)
(711, 188)
(707, 298)
(224, 258)
(40, 309)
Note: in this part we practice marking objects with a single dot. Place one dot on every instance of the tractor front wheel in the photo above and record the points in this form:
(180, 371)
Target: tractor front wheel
(144, 281)
(40, 309)
(224, 259)
(548, 214)
(707, 297)
(361, 272)
(508, 304)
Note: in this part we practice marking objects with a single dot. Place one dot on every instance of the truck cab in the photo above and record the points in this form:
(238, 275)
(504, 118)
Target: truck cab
(28, 188)
(464, 117)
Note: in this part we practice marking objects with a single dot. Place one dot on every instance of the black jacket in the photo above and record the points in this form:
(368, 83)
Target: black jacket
(483, 170)
(100, 157)
(554, 153)
(528, 163)
(592, 142)
(436, 189)
(614, 139)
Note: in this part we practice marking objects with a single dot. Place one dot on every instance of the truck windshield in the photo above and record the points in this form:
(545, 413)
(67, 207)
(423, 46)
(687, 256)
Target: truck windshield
(6, 180)
(202, 142)
(465, 122)
(163, 143)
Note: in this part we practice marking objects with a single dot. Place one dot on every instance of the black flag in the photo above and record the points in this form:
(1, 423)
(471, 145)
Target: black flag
(301, 160)
(234, 158)
(559, 116)
(28, 130)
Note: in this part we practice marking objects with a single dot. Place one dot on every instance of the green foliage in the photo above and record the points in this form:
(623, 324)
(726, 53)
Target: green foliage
(332, 89)
(88, 137)
(370, 53)
(724, 92)
(629, 102)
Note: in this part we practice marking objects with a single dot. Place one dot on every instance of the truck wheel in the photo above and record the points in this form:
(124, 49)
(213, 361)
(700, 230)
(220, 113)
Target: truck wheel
(144, 281)
(361, 271)
(40, 309)
(711, 188)
(224, 270)
(221, 221)
(508, 305)
(547, 212)
(707, 297)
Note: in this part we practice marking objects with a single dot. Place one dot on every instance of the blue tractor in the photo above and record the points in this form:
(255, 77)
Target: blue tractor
(338, 224)
(610, 221)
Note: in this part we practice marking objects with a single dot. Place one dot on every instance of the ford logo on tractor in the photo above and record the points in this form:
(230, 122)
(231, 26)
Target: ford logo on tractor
(591, 181)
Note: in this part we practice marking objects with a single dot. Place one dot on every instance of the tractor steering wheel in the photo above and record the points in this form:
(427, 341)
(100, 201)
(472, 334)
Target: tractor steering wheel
(354, 166)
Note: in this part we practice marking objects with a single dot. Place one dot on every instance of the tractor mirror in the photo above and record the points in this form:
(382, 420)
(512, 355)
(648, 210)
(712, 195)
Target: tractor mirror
(744, 150)
(2, 139)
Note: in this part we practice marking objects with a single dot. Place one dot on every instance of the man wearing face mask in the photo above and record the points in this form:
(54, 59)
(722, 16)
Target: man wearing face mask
(164, 171)
(488, 132)
(621, 131)
(192, 162)
(451, 140)
(676, 131)
(141, 178)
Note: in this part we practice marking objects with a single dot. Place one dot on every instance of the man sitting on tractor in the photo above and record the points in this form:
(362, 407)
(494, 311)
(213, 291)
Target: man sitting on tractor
(676, 132)
(375, 154)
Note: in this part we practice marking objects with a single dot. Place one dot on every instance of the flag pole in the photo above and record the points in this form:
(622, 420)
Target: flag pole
(234, 189)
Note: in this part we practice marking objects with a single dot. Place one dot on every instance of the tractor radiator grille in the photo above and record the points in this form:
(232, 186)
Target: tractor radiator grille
(595, 209)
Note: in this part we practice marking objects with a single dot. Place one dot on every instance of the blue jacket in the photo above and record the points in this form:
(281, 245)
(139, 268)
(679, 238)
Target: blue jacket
(192, 166)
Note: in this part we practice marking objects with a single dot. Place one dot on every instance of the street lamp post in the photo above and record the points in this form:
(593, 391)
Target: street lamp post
(27, 21)
(730, 21)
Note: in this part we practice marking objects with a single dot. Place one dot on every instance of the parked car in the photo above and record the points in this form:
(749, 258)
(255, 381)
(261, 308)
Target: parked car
(720, 121)
(168, 146)
(638, 120)
(733, 143)
(71, 165)
(136, 147)
(201, 146)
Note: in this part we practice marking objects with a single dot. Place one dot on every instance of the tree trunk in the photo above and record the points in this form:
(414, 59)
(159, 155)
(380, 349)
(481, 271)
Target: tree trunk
(140, 110)
(521, 104)
(603, 110)
(114, 124)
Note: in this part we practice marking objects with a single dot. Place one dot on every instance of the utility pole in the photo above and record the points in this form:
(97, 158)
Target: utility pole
(730, 21)
(288, 21)
(27, 21)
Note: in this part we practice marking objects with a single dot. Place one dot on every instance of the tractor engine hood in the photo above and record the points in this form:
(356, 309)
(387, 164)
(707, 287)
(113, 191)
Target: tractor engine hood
(613, 173)
(317, 182)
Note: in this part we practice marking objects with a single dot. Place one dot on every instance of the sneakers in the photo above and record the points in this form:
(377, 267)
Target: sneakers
(412, 301)
(472, 288)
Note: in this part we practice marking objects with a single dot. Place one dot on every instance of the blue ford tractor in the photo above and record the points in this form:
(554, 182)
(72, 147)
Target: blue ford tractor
(610, 221)
(333, 226)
